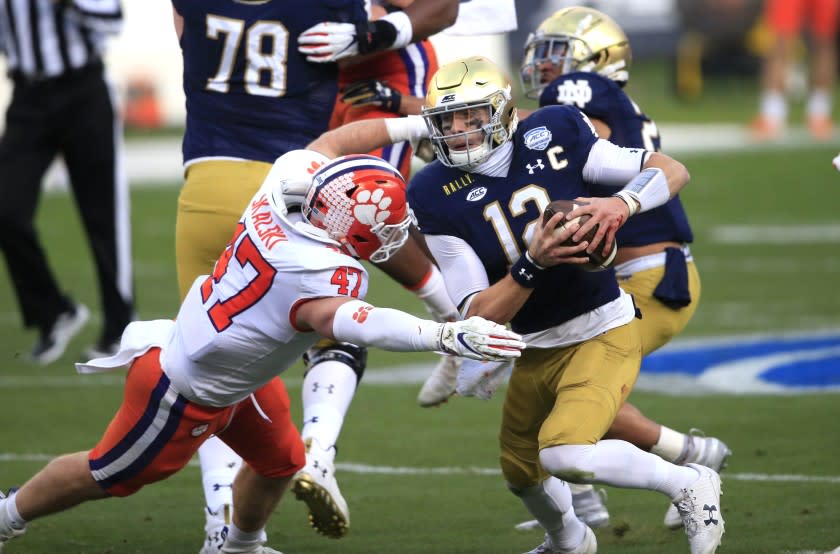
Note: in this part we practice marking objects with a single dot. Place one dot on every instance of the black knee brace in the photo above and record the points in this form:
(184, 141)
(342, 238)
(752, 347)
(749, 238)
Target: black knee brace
(344, 352)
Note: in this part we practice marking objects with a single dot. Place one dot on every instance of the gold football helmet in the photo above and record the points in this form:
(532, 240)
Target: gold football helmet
(575, 39)
(469, 111)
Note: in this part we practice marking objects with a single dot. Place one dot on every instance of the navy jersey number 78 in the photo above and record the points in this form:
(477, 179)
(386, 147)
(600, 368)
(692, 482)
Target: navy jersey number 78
(239, 57)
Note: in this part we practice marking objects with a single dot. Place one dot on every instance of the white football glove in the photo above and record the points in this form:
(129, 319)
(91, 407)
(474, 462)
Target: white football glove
(328, 42)
(332, 41)
(479, 339)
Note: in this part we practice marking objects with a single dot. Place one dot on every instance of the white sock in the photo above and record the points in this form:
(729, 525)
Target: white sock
(9, 515)
(819, 103)
(773, 106)
(328, 389)
(240, 541)
(620, 464)
(671, 444)
(219, 466)
(550, 503)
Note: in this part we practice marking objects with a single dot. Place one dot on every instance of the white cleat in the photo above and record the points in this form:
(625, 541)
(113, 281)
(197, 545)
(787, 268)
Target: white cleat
(216, 529)
(481, 379)
(706, 451)
(316, 485)
(7, 532)
(590, 505)
(67, 325)
(699, 508)
(672, 518)
(589, 545)
(440, 385)
(702, 450)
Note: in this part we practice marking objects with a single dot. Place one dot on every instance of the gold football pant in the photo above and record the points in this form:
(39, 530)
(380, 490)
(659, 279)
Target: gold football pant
(569, 395)
(660, 323)
(213, 198)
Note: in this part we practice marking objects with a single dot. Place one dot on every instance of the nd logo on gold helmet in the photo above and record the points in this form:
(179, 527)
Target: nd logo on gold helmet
(469, 110)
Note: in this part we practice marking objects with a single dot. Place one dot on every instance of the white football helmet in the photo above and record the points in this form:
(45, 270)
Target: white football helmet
(290, 177)
(469, 110)
(575, 39)
(360, 202)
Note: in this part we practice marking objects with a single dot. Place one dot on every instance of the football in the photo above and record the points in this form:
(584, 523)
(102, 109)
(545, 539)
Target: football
(597, 261)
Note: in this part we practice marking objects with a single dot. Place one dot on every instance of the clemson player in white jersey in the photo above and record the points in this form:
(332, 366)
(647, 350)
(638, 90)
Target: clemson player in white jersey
(239, 121)
(280, 284)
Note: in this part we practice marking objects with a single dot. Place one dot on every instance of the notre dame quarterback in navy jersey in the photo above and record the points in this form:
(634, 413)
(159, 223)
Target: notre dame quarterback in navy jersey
(239, 57)
(495, 215)
(602, 98)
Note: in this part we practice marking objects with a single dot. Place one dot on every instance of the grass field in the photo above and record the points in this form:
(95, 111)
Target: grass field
(427, 480)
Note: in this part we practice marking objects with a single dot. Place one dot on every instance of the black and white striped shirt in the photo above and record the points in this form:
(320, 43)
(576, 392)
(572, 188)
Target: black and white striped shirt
(47, 38)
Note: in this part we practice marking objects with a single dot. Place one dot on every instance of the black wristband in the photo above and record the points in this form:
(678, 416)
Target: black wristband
(526, 272)
(375, 35)
(393, 101)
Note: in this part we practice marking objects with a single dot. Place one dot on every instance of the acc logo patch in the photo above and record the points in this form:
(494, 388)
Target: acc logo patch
(447, 98)
(537, 138)
(476, 194)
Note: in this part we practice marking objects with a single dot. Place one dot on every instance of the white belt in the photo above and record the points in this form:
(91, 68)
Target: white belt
(642, 263)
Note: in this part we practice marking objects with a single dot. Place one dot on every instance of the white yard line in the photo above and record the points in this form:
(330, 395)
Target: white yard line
(157, 162)
(777, 234)
(353, 467)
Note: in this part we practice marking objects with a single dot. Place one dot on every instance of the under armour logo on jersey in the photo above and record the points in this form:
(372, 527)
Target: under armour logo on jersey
(362, 314)
(537, 165)
(711, 509)
(525, 274)
(574, 92)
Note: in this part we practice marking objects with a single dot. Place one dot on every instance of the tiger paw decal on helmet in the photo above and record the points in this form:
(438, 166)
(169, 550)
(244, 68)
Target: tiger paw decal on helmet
(372, 206)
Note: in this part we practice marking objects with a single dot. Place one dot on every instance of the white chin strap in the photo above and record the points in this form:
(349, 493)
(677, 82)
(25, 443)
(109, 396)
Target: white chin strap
(471, 157)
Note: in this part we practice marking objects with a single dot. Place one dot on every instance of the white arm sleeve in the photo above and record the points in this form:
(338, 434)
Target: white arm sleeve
(405, 30)
(434, 295)
(462, 269)
(365, 325)
(609, 164)
(411, 128)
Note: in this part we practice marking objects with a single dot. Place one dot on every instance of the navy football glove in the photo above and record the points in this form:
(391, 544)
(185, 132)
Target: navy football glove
(372, 92)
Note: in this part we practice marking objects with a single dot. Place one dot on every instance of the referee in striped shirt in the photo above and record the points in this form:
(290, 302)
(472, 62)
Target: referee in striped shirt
(63, 104)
